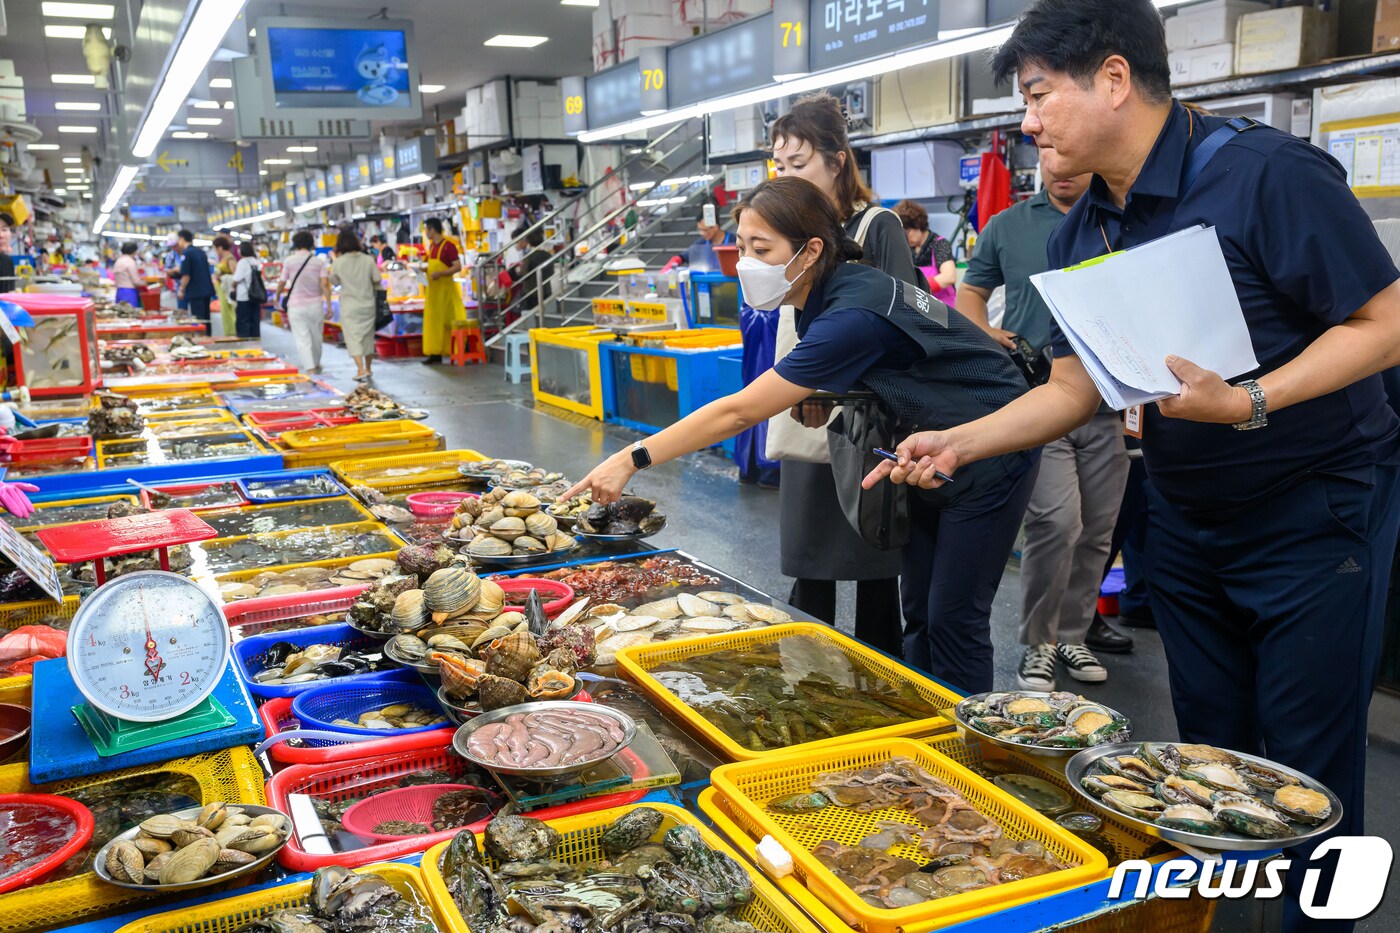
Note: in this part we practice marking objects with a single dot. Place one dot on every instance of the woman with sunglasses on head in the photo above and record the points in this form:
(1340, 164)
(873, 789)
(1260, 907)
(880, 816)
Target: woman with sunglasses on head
(861, 329)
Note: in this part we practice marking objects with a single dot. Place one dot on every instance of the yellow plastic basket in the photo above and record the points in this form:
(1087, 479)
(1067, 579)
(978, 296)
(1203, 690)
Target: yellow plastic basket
(748, 787)
(191, 415)
(36, 520)
(234, 913)
(16, 690)
(769, 910)
(635, 663)
(359, 433)
(232, 776)
(361, 513)
(393, 540)
(394, 472)
(324, 456)
(37, 612)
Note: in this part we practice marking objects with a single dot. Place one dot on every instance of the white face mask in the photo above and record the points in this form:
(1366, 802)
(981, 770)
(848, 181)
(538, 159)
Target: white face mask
(765, 286)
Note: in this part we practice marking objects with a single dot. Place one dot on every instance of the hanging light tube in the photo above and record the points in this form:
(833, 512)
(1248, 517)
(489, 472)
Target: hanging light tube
(124, 177)
(362, 193)
(100, 222)
(244, 221)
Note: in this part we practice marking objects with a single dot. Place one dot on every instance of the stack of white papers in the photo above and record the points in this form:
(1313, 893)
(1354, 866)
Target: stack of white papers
(1126, 313)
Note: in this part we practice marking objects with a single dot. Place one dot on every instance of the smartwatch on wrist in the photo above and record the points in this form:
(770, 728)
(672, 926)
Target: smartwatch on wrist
(1258, 415)
(641, 459)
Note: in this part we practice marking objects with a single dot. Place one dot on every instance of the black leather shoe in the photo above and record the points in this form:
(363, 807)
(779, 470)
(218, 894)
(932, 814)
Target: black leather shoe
(432, 361)
(1140, 618)
(1102, 638)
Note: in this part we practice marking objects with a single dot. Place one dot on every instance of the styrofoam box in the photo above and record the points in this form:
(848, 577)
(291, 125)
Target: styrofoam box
(650, 26)
(1284, 38)
(1209, 63)
(1211, 23)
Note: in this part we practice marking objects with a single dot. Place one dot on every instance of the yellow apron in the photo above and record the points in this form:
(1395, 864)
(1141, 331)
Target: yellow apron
(442, 309)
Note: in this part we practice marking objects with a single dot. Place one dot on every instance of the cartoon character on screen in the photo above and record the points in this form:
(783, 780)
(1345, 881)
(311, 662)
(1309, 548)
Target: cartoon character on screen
(377, 66)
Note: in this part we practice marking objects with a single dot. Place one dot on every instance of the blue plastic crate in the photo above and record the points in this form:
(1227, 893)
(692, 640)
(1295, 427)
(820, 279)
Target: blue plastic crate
(319, 708)
(248, 654)
(249, 483)
(106, 482)
(729, 372)
(649, 406)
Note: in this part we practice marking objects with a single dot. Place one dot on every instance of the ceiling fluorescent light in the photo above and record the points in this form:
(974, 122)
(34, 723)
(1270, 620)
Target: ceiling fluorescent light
(43, 147)
(60, 31)
(72, 160)
(228, 105)
(187, 134)
(204, 121)
(99, 223)
(74, 186)
(505, 41)
(431, 88)
(260, 218)
(77, 105)
(61, 192)
(637, 126)
(277, 161)
(302, 148)
(72, 79)
(221, 83)
(362, 193)
(206, 105)
(77, 129)
(74, 170)
(204, 31)
(78, 10)
(592, 3)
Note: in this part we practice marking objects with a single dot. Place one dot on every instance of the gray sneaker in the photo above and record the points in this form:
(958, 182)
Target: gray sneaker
(1037, 668)
(1082, 664)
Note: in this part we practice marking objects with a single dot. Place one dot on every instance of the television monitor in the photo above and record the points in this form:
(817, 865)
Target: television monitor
(151, 213)
(360, 69)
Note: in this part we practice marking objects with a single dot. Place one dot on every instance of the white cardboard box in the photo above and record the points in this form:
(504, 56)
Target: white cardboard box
(1210, 23)
(1196, 66)
(1286, 38)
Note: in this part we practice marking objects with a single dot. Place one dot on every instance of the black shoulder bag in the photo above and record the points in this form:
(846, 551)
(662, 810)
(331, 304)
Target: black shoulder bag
(880, 515)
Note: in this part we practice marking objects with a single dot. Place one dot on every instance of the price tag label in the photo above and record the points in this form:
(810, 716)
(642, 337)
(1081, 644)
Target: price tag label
(34, 563)
(604, 307)
(647, 311)
(8, 329)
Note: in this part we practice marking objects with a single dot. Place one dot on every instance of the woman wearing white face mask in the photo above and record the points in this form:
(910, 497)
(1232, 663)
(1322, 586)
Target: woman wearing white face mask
(810, 142)
(861, 329)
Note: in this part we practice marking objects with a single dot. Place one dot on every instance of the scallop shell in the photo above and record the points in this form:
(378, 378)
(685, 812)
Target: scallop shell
(721, 597)
(634, 622)
(378, 565)
(574, 610)
(410, 611)
(661, 609)
(709, 624)
(696, 606)
(768, 615)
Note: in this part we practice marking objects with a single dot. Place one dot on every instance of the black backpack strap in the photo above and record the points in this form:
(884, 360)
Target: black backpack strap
(1206, 151)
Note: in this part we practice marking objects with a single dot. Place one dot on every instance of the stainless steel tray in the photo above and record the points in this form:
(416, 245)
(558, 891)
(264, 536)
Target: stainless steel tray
(99, 861)
(459, 741)
(606, 539)
(959, 713)
(1086, 762)
(520, 560)
(467, 471)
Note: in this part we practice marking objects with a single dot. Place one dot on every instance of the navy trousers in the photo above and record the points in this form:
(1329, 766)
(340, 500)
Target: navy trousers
(951, 569)
(1130, 539)
(1272, 623)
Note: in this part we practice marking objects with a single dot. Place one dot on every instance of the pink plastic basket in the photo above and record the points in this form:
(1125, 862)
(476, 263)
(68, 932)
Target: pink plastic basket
(556, 596)
(437, 504)
(410, 805)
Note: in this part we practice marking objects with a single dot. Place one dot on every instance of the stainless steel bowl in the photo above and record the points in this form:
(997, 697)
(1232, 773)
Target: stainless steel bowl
(1086, 762)
(519, 560)
(605, 539)
(461, 712)
(14, 721)
(964, 720)
(466, 469)
(99, 861)
(459, 741)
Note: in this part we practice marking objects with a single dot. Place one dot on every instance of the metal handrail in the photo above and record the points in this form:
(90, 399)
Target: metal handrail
(639, 232)
(587, 192)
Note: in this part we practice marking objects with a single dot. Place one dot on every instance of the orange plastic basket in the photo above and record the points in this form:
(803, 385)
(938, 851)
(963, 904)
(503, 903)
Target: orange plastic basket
(748, 787)
(635, 663)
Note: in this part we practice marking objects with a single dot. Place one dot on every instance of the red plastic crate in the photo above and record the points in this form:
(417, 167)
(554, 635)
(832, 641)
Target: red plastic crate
(253, 615)
(44, 449)
(386, 347)
(188, 488)
(276, 716)
(341, 780)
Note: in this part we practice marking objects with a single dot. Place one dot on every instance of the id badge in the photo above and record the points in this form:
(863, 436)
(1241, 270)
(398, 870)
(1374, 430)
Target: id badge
(1132, 421)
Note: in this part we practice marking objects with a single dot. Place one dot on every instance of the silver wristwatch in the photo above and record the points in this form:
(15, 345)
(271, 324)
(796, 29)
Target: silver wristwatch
(1259, 408)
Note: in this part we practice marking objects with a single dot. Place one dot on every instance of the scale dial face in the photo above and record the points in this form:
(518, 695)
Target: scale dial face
(148, 646)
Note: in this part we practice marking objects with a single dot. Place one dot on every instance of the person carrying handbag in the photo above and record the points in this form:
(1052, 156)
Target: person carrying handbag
(926, 365)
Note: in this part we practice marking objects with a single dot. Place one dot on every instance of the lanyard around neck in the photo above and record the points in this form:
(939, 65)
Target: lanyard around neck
(1190, 132)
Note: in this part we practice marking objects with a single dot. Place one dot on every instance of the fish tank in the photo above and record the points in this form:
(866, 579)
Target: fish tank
(156, 404)
(281, 549)
(66, 512)
(54, 409)
(232, 523)
(143, 451)
(58, 355)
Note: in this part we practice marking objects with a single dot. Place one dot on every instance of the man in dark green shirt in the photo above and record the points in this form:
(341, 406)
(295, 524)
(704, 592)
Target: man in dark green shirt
(1069, 522)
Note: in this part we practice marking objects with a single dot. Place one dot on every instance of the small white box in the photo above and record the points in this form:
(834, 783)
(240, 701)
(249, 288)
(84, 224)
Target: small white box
(552, 127)
(1303, 117)
(1286, 38)
(1209, 23)
(1195, 66)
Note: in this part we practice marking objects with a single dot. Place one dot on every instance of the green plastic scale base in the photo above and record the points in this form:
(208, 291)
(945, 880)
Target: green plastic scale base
(111, 736)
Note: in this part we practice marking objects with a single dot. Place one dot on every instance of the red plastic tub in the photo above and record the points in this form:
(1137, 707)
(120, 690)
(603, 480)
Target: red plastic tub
(254, 615)
(44, 449)
(728, 259)
(557, 596)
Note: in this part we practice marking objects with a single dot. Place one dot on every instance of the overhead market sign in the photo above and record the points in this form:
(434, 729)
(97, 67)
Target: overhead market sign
(202, 165)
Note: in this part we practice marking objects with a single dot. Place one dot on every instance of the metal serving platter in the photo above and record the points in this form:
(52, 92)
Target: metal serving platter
(99, 861)
(371, 633)
(607, 539)
(459, 741)
(521, 560)
(965, 720)
(487, 475)
(423, 667)
(1086, 763)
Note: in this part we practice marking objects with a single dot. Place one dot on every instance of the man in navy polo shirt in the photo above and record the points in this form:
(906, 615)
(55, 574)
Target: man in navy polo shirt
(196, 284)
(1274, 511)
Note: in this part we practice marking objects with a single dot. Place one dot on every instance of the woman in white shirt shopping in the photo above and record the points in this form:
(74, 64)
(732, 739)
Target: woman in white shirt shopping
(306, 291)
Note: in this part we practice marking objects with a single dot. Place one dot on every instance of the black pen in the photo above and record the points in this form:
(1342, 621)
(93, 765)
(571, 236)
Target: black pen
(894, 458)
